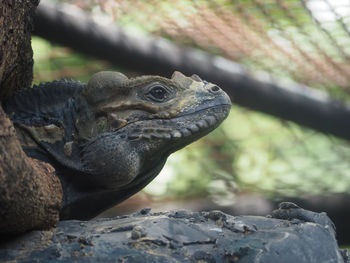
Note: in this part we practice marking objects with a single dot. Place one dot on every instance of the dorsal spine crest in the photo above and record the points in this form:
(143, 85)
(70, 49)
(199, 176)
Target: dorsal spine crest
(43, 100)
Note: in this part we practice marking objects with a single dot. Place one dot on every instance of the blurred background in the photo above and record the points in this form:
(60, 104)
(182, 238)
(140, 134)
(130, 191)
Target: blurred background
(254, 159)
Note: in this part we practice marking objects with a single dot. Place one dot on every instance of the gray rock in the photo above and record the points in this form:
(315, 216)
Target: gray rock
(291, 234)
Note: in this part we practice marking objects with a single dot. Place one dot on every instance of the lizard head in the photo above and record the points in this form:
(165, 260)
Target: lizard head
(150, 117)
(118, 101)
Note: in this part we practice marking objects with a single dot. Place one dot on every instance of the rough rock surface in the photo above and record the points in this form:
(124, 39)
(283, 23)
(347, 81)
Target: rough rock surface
(182, 236)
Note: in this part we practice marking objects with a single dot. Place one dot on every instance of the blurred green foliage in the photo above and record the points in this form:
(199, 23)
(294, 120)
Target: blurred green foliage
(253, 152)
(55, 62)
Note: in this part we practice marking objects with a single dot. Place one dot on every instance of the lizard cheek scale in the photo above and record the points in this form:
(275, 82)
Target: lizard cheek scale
(109, 138)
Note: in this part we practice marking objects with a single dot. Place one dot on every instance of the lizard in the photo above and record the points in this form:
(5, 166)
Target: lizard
(109, 138)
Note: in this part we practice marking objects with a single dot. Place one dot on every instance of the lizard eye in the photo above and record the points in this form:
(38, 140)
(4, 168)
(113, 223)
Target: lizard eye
(158, 93)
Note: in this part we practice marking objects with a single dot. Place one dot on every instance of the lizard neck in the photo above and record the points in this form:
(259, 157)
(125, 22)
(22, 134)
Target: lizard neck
(44, 117)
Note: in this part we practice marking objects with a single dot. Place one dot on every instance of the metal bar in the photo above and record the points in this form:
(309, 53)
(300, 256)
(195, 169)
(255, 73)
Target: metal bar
(293, 102)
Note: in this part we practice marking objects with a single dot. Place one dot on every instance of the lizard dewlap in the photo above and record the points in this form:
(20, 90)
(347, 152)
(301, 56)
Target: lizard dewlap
(109, 138)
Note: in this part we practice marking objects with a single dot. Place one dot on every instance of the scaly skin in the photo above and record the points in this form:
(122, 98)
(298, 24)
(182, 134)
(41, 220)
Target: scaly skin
(111, 137)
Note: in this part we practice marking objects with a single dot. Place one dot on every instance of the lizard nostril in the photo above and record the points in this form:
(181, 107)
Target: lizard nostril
(214, 89)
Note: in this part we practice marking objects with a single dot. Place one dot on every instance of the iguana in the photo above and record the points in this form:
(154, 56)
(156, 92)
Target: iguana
(109, 138)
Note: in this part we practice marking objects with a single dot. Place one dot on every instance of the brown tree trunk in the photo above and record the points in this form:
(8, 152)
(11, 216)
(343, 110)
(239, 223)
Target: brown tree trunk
(30, 194)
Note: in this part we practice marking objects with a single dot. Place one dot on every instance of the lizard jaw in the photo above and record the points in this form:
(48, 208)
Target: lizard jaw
(188, 125)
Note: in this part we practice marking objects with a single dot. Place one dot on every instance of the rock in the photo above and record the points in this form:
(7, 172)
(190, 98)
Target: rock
(290, 234)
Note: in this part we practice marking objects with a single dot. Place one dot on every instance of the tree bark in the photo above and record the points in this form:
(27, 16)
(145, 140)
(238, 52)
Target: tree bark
(16, 56)
(30, 193)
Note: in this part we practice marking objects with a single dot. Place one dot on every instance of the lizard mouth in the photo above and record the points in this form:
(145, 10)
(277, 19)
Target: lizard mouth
(192, 125)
